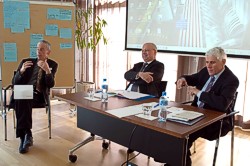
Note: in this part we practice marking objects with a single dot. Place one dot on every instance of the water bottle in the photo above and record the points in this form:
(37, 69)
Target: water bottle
(163, 103)
(104, 96)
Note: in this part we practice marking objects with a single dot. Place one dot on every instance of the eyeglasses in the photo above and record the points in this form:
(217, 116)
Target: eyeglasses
(146, 50)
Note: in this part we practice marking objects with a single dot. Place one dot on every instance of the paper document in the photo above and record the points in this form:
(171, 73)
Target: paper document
(188, 115)
(23, 91)
(174, 109)
(130, 94)
(128, 111)
(92, 99)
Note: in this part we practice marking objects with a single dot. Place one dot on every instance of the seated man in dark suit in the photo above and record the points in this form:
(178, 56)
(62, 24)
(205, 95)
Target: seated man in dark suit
(214, 87)
(39, 72)
(145, 76)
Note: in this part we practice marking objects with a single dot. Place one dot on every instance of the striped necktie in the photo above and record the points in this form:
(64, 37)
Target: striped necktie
(38, 81)
(208, 88)
(143, 66)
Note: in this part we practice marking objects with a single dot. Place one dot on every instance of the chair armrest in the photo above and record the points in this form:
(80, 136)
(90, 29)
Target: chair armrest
(8, 87)
(187, 102)
(232, 113)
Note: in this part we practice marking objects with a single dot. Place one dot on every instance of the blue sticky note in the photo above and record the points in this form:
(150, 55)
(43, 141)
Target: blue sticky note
(17, 29)
(65, 14)
(10, 52)
(66, 33)
(9, 12)
(53, 13)
(51, 30)
(16, 15)
(65, 45)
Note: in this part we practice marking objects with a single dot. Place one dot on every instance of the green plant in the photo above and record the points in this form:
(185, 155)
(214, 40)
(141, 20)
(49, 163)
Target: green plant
(87, 34)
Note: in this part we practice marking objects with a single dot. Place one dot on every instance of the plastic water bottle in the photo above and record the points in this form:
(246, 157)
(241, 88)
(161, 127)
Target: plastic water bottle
(104, 96)
(163, 103)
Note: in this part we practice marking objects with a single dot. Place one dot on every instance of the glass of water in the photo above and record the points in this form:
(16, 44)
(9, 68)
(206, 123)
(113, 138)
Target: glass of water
(147, 109)
(91, 92)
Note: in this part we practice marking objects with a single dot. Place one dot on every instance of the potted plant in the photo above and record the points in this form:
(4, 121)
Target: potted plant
(88, 33)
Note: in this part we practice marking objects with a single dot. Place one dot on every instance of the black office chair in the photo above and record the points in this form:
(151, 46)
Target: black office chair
(9, 106)
(162, 87)
(232, 115)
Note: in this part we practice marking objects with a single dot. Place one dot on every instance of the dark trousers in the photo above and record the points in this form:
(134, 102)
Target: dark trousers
(23, 110)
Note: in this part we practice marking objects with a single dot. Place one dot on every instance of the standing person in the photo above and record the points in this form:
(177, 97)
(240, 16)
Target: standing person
(39, 72)
(145, 76)
(214, 87)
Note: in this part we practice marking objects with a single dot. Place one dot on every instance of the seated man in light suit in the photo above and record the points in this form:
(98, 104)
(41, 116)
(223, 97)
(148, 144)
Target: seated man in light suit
(39, 72)
(213, 87)
(145, 76)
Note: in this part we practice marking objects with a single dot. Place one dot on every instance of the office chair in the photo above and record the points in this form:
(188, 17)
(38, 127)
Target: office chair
(9, 106)
(162, 87)
(232, 115)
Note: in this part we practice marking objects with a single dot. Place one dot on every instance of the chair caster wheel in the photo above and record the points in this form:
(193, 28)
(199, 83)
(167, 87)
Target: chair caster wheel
(72, 158)
(105, 145)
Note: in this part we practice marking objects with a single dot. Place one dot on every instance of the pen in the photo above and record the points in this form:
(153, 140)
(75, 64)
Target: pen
(156, 105)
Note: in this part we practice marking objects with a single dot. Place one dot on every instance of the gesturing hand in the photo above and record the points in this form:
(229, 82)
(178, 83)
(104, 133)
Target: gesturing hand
(44, 65)
(25, 65)
(181, 83)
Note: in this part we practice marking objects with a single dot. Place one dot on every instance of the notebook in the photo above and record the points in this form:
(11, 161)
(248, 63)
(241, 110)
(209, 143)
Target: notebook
(185, 117)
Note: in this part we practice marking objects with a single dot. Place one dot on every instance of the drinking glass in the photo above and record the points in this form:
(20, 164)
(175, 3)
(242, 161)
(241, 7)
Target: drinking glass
(91, 92)
(147, 109)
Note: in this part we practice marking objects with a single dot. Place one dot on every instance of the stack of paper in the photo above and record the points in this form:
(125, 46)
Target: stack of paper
(185, 117)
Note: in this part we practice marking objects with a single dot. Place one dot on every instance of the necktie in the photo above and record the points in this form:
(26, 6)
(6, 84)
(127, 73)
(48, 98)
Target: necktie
(143, 66)
(38, 81)
(134, 86)
(208, 88)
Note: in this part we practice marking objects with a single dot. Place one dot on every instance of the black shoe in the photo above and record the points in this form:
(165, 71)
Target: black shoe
(21, 148)
(28, 141)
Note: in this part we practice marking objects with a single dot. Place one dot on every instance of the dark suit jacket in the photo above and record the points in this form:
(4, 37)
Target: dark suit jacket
(47, 82)
(220, 96)
(155, 67)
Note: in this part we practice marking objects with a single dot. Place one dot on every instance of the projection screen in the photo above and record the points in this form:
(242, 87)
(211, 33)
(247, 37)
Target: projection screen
(189, 26)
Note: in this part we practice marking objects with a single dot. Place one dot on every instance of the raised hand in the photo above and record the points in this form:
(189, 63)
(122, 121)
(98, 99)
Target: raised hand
(44, 65)
(181, 83)
(25, 65)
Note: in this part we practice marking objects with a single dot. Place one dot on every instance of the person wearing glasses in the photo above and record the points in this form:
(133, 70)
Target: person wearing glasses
(145, 76)
(39, 72)
(213, 87)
